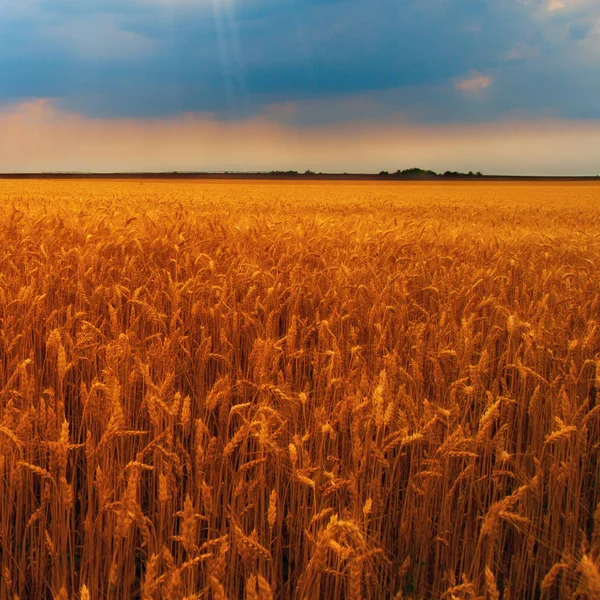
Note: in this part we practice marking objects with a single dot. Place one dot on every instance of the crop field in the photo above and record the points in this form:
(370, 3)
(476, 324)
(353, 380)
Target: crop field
(260, 390)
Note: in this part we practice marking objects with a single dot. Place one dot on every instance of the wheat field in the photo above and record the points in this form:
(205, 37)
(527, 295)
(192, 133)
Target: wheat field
(299, 391)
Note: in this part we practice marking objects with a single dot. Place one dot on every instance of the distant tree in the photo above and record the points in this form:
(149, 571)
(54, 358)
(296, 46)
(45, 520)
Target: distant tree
(383, 173)
(308, 172)
(415, 173)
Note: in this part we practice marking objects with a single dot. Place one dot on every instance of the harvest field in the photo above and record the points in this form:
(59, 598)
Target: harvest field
(291, 390)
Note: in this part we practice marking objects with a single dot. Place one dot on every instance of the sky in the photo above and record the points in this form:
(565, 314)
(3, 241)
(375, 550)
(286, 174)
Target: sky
(498, 86)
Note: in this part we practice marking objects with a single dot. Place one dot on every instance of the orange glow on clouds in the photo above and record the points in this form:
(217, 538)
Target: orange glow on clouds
(474, 83)
(39, 137)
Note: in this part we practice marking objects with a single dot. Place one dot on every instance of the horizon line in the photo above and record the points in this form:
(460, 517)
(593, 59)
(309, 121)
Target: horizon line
(288, 174)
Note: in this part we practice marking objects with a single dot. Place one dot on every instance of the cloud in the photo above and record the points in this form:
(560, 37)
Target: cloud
(522, 51)
(244, 53)
(37, 136)
(555, 5)
(474, 83)
(372, 59)
(574, 27)
(98, 37)
(573, 18)
(184, 3)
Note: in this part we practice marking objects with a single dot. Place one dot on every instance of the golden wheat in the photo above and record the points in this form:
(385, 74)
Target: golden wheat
(227, 390)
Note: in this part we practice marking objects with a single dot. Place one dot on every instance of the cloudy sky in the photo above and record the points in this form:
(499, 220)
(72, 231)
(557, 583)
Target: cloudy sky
(501, 86)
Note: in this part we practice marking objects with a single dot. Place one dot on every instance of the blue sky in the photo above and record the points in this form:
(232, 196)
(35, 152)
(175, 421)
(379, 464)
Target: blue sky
(311, 65)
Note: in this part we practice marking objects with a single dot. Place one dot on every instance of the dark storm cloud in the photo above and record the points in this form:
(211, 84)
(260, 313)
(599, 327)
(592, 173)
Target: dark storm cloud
(368, 60)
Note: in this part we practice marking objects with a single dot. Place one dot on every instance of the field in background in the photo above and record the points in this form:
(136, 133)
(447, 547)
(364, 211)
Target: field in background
(256, 390)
